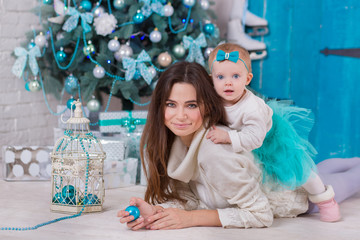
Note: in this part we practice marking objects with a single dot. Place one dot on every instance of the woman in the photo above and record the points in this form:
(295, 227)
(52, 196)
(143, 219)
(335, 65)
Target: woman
(194, 181)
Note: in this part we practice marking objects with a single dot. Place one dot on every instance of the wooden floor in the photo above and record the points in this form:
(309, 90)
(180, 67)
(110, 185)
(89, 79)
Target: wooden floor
(26, 204)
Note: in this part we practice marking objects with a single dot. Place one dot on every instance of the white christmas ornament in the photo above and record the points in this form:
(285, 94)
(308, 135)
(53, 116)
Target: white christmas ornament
(124, 51)
(99, 11)
(40, 40)
(99, 72)
(114, 45)
(164, 59)
(155, 36)
(189, 3)
(204, 4)
(208, 51)
(152, 71)
(168, 10)
(105, 24)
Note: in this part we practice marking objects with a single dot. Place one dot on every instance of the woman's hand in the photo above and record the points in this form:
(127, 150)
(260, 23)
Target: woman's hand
(170, 218)
(217, 135)
(146, 210)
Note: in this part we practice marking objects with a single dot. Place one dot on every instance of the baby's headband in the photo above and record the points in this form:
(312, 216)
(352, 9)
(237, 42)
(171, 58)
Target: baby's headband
(232, 56)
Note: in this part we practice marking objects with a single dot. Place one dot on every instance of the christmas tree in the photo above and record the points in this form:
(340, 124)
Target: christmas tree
(119, 47)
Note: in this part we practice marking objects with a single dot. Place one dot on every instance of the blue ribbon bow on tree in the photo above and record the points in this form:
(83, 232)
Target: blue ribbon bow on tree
(72, 22)
(131, 65)
(23, 55)
(194, 47)
(151, 6)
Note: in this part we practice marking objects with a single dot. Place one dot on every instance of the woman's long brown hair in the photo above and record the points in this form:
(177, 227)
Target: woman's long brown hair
(157, 139)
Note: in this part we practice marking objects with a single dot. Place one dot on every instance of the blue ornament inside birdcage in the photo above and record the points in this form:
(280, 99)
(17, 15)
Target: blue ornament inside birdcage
(77, 168)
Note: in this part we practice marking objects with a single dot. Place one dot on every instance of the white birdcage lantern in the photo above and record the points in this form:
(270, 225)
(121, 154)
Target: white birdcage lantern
(77, 168)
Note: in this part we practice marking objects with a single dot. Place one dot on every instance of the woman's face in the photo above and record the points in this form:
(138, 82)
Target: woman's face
(182, 112)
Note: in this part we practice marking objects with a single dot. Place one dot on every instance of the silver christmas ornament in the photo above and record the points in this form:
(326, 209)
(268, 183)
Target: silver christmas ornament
(124, 51)
(164, 59)
(204, 4)
(152, 71)
(155, 36)
(40, 40)
(34, 85)
(168, 10)
(119, 4)
(114, 45)
(178, 50)
(93, 105)
(189, 3)
(98, 11)
(208, 51)
(99, 72)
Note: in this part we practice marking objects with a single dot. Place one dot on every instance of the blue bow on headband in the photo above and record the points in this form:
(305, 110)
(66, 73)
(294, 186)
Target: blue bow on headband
(231, 56)
(72, 22)
(20, 63)
(149, 7)
(194, 47)
(131, 65)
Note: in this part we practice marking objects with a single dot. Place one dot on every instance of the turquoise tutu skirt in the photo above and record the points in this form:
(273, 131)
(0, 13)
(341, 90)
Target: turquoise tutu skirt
(286, 156)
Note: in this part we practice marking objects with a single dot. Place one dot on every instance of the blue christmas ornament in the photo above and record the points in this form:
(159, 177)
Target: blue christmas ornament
(90, 199)
(61, 55)
(209, 28)
(134, 211)
(27, 86)
(31, 45)
(119, 4)
(48, 2)
(68, 191)
(71, 84)
(69, 103)
(58, 198)
(138, 17)
(86, 5)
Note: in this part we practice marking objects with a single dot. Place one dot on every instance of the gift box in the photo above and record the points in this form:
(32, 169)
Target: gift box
(120, 173)
(22, 163)
(122, 121)
(114, 147)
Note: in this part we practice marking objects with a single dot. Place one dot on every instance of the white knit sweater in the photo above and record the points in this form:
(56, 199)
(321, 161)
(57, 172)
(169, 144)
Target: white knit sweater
(212, 176)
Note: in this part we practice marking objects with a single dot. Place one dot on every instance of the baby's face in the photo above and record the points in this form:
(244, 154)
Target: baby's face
(230, 80)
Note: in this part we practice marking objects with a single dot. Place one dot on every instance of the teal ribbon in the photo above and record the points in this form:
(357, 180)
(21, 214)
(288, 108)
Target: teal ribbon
(72, 22)
(194, 47)
(231, 56)
(23, 55)
(151, 6)
(131, 65)
(129, 123)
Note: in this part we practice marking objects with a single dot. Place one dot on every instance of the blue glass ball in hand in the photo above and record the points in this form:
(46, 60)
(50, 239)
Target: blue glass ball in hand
(134, 211)
(71, 84)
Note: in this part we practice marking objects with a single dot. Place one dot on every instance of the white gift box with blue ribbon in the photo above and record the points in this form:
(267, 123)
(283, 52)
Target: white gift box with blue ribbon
(122, 121)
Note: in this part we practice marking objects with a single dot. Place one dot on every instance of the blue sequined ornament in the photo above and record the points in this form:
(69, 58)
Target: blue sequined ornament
(71, 84)
(48, 2)
(86, 5)
(138, 17)
(90, 199)
(209, 28)
(61, 56)
(134, 211)
(58, 198)
(69, 103)
(119, 4)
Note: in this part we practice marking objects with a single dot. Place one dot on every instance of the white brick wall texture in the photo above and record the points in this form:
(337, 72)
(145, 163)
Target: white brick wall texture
(24, 117)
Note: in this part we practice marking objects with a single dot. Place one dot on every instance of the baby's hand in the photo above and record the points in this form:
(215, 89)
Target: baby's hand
(217, 135)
